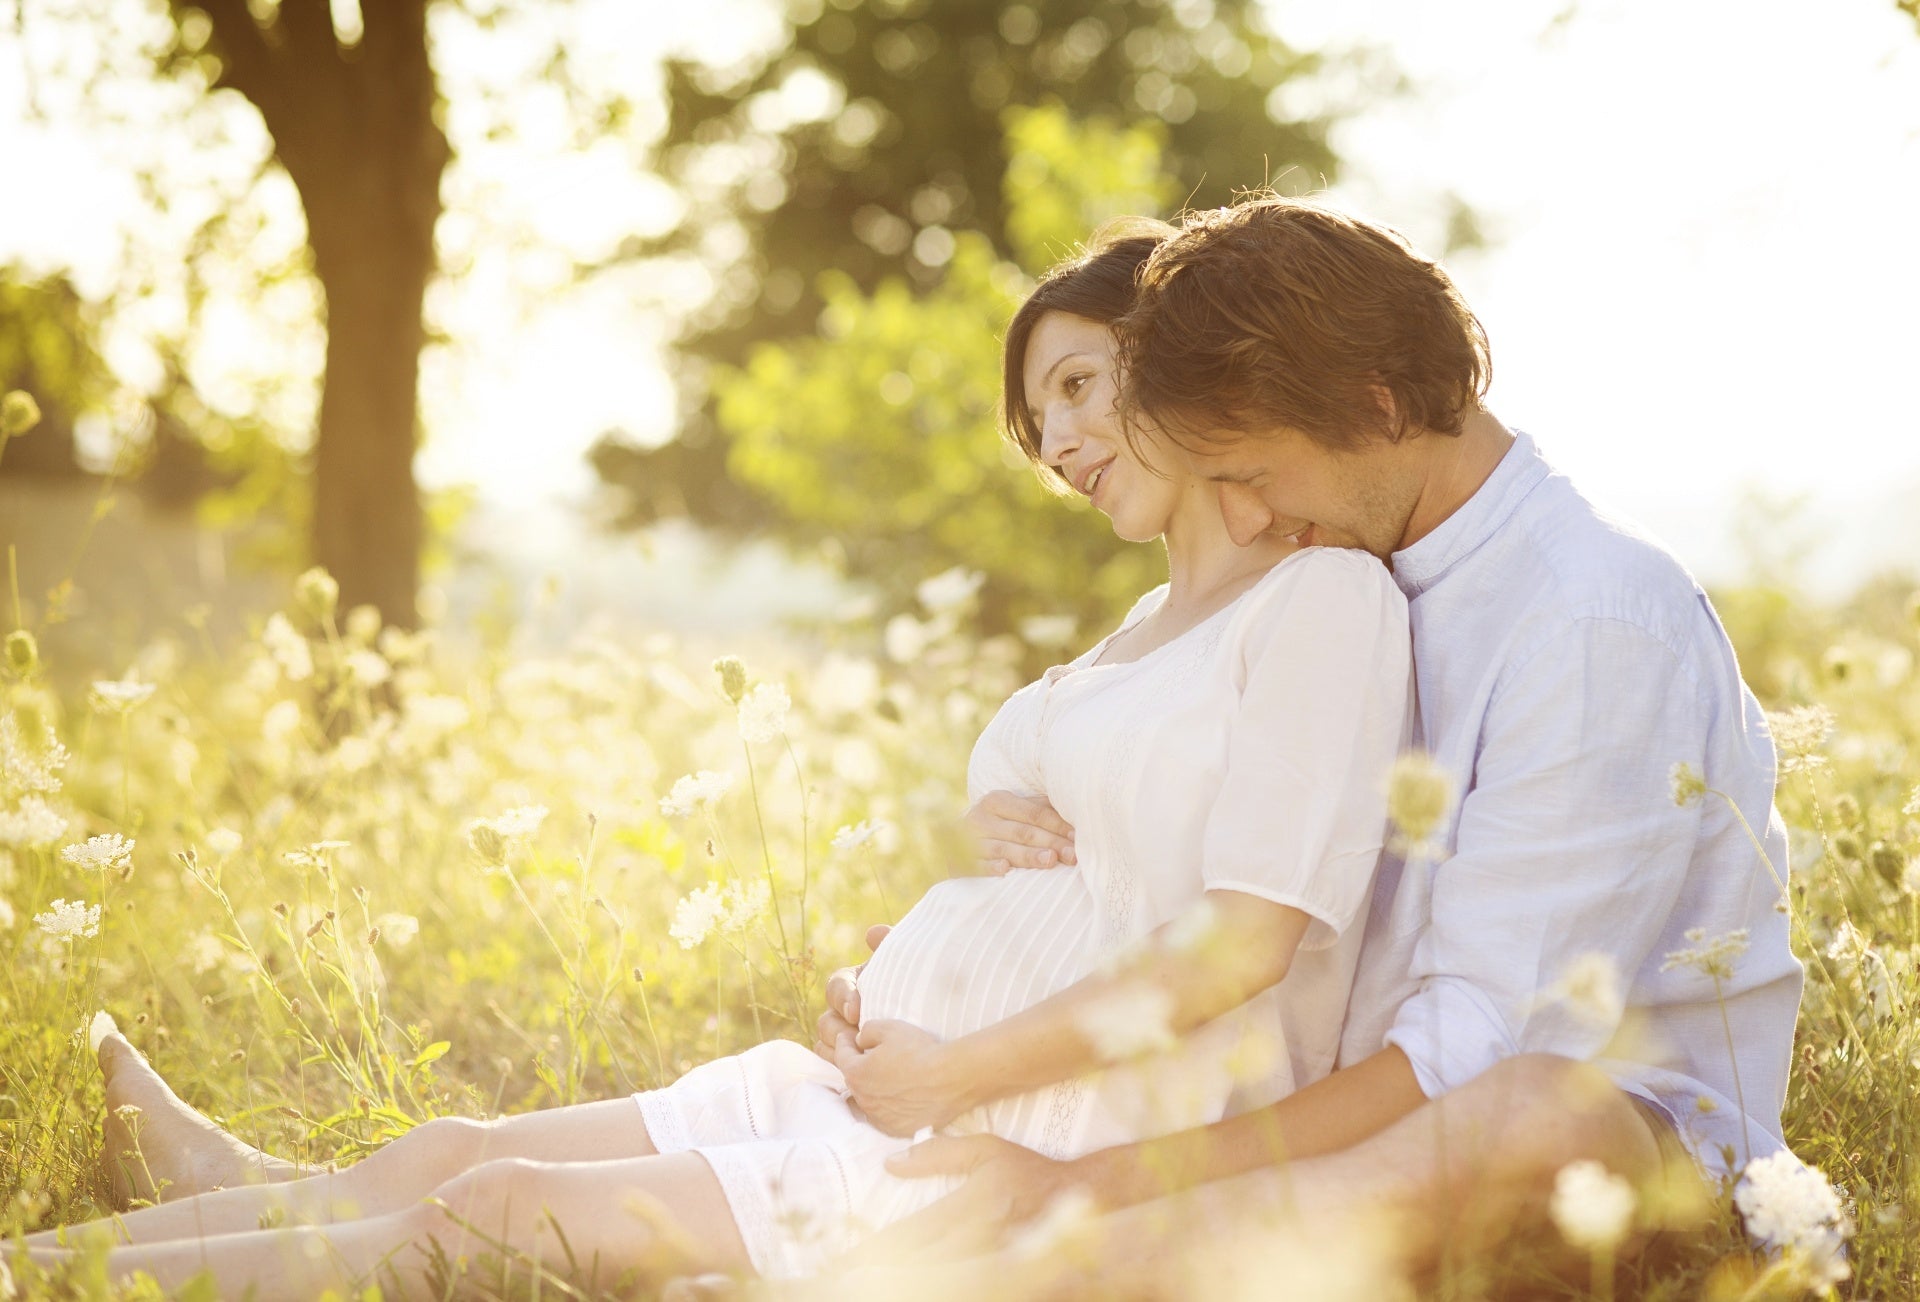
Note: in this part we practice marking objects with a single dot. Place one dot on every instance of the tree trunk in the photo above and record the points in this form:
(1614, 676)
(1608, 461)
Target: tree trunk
(354, 127)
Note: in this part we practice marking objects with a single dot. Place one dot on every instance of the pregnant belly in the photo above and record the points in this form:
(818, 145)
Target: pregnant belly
(977, 950)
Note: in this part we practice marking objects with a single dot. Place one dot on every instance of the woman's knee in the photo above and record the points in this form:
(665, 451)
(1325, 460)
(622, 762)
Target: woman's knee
(433, 1152)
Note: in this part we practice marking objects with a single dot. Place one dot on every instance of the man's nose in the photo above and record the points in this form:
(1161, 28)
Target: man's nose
(1246, 516)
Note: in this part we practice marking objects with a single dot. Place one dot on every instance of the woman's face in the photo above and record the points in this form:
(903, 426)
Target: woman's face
(1073, 386)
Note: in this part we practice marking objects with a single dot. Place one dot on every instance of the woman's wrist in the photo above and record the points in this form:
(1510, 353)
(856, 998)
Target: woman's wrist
(964, 1073)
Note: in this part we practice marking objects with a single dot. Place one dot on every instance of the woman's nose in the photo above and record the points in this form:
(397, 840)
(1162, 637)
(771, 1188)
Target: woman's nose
(1059, 437)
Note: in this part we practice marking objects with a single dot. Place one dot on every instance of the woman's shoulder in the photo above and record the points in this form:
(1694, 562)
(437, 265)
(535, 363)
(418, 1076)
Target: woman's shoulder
(1328, 582)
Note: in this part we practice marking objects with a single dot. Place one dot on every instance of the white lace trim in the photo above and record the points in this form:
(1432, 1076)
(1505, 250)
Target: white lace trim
(665, 1126)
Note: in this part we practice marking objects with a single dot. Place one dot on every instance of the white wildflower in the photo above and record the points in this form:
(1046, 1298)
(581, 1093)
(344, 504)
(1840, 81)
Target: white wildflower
(521, 822)
(427, 718)
(368, 668)
(1048, 631)
(222, 842)
(119, 696)
(905, 638)
(398, 929)
(1128, 1022)
(318, 593)
(844, 685)
(1794, 1208)
(696, 793)
(68, 920)
(1685, 784)
(1419, 798)
(855, 835)
(744, 904)
(494, 840)
(6, 915)
(29, 768)
(205, 952)
(99, 853)
(1847, 948)
(1710, 956)
(1798, 736)
(288, 648)
(1912, 808)
(1591, 1207)
(281, 722)
(950, 590)
(33, 822)
(353, 754)
(1589, 987)
(696, 916)
(763, 712)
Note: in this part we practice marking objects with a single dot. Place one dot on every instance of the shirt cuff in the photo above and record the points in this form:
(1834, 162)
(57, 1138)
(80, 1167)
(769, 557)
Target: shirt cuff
(1450, 1032)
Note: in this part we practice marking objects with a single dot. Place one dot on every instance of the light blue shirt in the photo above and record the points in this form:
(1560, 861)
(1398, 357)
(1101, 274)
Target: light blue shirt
(1564, 664)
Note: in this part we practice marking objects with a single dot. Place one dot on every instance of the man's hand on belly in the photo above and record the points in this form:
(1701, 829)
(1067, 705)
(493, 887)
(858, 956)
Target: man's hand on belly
(1005, 1185)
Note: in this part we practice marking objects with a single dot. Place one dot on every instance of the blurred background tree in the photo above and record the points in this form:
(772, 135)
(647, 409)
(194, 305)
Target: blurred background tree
(874, 155)
(883, 154)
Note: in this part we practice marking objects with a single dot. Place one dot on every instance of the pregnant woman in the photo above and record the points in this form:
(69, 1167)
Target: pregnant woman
(1222, 758)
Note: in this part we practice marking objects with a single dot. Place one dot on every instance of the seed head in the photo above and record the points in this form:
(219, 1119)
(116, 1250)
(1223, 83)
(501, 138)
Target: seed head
(1419, 796)
(733, 677)
(23, 653)
(317, 593)
(18, 414)
(1686, 784)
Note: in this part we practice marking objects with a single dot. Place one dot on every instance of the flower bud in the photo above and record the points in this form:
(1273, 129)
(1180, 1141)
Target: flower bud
(733, 677)
(487, 844)
(18, 414)
(317, 594)
(363, 625)
(23, 653)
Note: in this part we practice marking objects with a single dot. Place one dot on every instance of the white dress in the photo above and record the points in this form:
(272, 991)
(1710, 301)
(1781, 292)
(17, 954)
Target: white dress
(1249, 754)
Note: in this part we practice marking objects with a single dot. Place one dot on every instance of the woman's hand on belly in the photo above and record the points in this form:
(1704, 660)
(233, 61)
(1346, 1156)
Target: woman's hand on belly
(902, 1077)
(1015, 831)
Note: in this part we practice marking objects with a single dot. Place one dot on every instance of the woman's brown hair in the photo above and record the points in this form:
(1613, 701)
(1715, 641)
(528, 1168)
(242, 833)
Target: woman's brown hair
(1098, 286)
(1279, 313)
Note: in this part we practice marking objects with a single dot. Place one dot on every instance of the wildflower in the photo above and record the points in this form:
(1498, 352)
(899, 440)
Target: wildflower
(1887, 862)
(317, 593)
(1419, 794)
(696, 793)
(1792, 1207)
(1799, 734)
(399, 929)
(222, 842)
(950, 590)
(6, 915)
(1910, 879)
(1686, 784)
(99, 853)
(906, 637)
(69, 920)
(33, 822)
(27, 768)
(855, 835)
(1048, 630)
(696, 916)
(363, 624)
(1589, 987)
(1712, 957)
(23, 653)
(428, 718)
(1848, 947)
(1912, 808)
(288, 648)
(119, 697)
(733, 677)
(281, 721)
(493, 840)
(368, 668)
(18, 414)
(763, 712)
(744, 904)
(316, 854)
(1591, 1206)
(1128, 1022)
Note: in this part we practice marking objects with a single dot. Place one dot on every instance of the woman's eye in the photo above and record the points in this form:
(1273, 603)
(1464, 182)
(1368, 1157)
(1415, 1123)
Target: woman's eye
(1073, 384)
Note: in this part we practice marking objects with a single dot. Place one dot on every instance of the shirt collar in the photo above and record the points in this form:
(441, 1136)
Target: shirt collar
(1420, 566)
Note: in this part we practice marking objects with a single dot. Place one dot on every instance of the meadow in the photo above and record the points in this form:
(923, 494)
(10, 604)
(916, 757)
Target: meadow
(337, 878)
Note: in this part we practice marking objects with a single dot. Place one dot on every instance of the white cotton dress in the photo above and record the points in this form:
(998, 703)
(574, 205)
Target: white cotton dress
(1249, 754)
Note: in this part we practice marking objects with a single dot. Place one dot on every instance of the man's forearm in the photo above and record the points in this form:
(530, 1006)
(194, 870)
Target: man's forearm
(1328, 1115)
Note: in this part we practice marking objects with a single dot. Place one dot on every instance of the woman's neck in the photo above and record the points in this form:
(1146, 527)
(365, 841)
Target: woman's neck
(1205, 567)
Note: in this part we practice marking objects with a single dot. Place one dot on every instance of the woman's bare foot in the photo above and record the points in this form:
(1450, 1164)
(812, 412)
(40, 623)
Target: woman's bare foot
(157, 1148)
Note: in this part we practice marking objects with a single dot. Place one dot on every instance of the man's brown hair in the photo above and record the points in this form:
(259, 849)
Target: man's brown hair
(1279, 312)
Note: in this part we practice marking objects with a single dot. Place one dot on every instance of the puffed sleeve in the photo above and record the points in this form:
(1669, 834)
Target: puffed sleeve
(1324, 673)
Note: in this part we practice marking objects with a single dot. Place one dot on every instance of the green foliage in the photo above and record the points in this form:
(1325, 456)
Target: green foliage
(879, 434)
(864, 143)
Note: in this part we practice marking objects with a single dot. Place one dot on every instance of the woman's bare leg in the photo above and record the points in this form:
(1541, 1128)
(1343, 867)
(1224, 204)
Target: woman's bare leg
(396, 1176)
(589, 1222)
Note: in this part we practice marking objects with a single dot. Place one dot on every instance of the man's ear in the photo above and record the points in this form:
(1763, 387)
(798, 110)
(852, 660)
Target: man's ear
(1391, 422)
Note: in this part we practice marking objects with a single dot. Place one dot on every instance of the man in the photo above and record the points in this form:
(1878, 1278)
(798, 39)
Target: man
(1590, 960)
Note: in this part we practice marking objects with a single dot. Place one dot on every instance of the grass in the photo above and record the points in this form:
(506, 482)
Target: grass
(343, 914)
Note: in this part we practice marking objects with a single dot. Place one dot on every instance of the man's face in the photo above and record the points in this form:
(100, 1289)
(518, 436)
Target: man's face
(1274, 480)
